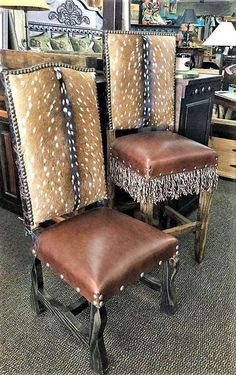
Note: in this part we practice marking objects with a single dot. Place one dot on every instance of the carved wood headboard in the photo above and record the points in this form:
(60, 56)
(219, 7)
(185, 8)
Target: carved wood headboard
(70, 16)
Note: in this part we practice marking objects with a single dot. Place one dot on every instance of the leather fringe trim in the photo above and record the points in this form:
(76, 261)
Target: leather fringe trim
(163, 188)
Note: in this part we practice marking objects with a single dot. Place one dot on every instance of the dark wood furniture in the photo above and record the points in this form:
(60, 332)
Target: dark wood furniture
(223, 138)
(194, 104)
(9, 190)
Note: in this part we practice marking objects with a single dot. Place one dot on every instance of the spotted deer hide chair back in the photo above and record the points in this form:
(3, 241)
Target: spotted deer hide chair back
(140, 79)
(56, 137)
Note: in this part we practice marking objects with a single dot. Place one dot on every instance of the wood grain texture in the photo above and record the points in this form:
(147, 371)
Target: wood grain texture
(147, 210)
(182, 229)
(226, 149)
(203, 218)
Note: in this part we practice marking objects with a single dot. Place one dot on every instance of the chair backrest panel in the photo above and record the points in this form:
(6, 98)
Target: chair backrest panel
(125, 78)
(162, 79)
(141, 79)
(82, 93)
(42, 145)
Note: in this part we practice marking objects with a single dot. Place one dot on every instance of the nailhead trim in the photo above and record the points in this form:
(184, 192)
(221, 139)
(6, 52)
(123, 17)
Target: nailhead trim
(24, 189)
(108, 63)
(97, 299)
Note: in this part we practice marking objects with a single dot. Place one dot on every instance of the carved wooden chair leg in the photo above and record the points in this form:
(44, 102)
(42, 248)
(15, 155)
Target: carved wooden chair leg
(98, 355)
(146, 208)
(170, 268)
(203, 218)
(37, 285)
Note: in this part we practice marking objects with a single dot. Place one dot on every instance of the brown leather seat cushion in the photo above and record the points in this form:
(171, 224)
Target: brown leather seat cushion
(103, 249)
(161, 152)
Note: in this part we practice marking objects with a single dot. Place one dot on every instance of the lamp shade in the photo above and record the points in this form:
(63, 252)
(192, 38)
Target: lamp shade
(189, 16)
(24, 4)
(224, 35)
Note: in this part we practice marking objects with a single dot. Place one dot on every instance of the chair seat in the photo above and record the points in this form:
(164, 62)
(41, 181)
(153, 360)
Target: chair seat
(161, 153)
(101, 251)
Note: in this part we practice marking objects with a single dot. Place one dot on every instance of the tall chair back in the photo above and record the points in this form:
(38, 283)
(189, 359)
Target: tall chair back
(140, 79)
(57, 140)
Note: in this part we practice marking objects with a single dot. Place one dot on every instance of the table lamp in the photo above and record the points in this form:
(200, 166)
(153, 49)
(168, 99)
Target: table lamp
(24, 5)
(223, 36)
(189, 17)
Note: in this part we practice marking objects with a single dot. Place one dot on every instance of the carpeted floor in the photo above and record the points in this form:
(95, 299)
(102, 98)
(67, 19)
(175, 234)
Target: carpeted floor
(198, 340)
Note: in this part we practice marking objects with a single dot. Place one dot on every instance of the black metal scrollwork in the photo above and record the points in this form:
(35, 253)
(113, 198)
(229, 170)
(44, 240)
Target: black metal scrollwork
(69, 14)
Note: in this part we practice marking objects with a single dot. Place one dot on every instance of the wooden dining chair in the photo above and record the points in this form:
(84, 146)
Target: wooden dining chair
(57, 141)
(153, 166)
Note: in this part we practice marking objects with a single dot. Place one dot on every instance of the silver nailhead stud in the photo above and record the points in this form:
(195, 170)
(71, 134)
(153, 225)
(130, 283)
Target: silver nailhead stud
(62, 277)
(95, 303)
(33, 252)
(177, 247)
(101, 304)
(78, 290)
(160, 262)
(205, 165)
(184, 169)
(195, 167)
(47, 265)
(122, 288)
(100, 297)
(142, 274)
(177, 253)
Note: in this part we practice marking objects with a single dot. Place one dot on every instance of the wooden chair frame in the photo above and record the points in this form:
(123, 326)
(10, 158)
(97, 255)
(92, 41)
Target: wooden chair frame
(41, 300)
(200, 226)
(92, 336)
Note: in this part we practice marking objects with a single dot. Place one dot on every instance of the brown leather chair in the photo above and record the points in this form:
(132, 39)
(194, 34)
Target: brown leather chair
(153, 166)
(56, 137)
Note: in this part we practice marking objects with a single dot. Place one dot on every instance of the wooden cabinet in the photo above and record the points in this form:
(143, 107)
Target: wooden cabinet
(194, 104)
(224, 135)
(9, 188)
(226, 150)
